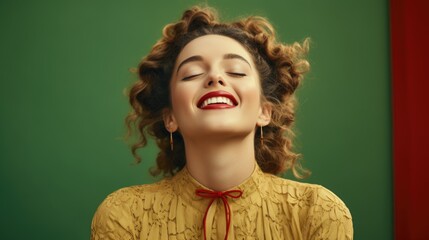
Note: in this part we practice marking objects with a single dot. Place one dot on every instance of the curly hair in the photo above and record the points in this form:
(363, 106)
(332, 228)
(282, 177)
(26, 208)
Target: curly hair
(280, 66)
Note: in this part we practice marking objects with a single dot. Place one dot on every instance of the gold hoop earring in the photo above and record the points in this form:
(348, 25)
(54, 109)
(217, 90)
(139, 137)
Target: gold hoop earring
(262, 135)
(171, 141)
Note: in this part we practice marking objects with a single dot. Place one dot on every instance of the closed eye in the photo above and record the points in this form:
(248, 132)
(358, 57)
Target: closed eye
(236, 74)
(192, 76)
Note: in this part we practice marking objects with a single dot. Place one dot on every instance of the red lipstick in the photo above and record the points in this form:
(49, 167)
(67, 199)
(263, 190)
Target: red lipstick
(217, 100)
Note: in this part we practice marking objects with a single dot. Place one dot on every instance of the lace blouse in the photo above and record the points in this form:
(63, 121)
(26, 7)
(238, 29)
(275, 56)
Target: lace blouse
(269, 208)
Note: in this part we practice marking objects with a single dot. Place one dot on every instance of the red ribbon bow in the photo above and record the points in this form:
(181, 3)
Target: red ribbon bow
(222, 195)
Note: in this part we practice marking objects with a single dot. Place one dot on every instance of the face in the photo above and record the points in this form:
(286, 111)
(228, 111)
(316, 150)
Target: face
(215, 90)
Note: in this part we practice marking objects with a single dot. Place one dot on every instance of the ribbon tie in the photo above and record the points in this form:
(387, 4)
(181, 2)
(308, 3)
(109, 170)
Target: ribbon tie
(222, 195)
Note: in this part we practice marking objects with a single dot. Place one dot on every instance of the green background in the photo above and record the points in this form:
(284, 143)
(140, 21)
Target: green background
(65, 64)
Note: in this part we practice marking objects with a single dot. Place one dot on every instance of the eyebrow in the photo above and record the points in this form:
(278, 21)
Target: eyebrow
(236, 56)
(197, 58)
(189, 59)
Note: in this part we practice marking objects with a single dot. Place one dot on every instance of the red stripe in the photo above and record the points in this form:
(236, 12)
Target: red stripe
(410, 84)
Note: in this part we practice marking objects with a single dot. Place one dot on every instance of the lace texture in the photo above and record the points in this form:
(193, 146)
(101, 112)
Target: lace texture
(269, 208)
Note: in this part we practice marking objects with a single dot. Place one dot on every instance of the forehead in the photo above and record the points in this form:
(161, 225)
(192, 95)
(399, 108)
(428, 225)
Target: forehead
(214, 46)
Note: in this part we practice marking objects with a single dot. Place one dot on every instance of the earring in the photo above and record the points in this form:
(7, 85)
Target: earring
(262, 136)
(171, 141)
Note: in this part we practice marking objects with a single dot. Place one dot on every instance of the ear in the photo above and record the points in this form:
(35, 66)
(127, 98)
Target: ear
(170, 122)
(264, 114)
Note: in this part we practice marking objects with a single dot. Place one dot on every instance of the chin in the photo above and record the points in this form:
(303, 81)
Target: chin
(223, 129)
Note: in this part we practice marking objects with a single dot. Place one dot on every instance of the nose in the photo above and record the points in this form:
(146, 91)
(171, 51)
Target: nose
(214, 80)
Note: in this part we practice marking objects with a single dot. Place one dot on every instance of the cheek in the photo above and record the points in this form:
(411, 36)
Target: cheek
(251, 93)
(181, 97)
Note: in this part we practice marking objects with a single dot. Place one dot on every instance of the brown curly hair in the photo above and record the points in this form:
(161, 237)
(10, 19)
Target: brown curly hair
(280, 67)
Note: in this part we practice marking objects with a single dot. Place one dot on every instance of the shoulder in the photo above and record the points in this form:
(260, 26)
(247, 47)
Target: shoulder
(120, 199)
(125, 198)
(117, 215)
(312, 193)
(330, 217)
(324, 213)
(293, 189)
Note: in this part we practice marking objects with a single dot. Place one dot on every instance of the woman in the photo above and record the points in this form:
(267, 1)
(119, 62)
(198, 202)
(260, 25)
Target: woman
(219, 100)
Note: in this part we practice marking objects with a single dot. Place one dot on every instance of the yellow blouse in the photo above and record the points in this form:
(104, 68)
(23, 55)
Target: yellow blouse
(269, 208)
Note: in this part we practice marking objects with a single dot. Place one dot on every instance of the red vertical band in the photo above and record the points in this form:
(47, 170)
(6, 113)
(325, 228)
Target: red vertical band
(409, 20)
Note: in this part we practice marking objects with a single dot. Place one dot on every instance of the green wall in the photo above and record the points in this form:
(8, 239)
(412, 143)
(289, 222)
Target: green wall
(64, 65)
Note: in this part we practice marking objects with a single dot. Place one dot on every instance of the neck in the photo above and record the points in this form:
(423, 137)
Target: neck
(221, 164)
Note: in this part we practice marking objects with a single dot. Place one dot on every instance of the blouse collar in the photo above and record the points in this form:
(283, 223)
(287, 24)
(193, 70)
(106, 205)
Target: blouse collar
(185, 185)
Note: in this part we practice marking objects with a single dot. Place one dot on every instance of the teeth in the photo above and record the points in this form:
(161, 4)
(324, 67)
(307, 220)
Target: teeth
(214, 100)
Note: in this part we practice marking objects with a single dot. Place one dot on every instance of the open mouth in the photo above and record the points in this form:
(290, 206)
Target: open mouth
(217, 100)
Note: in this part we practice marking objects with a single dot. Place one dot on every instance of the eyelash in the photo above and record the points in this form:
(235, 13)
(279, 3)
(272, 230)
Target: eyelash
(230, 73)
(237, 74)
(191, 76)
